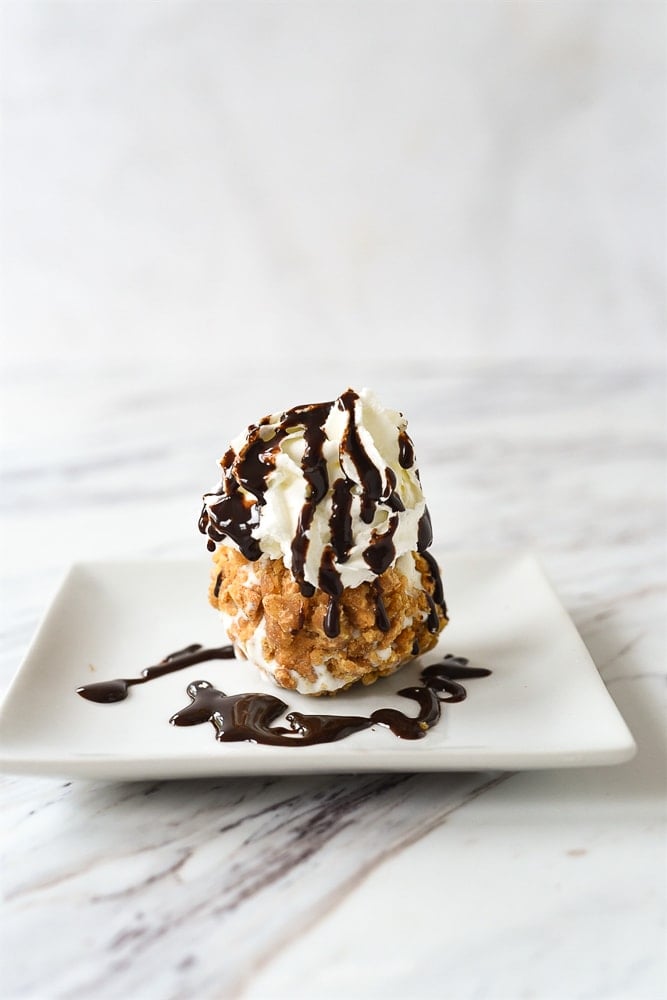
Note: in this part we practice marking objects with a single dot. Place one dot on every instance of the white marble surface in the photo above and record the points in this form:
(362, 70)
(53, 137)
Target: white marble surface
(213, 210)
(480, 177)
(500, 886)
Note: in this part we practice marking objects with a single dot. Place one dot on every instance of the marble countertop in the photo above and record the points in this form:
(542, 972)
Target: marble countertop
(214, 210)
(483, 885)
(487, 176)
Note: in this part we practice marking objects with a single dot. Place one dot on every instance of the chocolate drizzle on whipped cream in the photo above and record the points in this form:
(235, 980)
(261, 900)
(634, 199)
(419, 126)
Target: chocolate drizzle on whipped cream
(234, 510)
(248, 717)
(406, 451)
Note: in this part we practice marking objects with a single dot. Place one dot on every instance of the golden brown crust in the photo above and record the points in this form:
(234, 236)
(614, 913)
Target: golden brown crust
(294, 637)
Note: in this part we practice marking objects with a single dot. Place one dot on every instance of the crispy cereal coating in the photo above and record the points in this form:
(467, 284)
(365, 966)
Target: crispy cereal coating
(282, 631)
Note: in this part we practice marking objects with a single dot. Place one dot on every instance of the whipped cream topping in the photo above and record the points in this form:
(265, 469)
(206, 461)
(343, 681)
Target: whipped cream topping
(330, 488)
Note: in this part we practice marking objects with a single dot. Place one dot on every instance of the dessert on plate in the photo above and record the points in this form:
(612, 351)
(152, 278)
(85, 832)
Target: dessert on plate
(320, 533)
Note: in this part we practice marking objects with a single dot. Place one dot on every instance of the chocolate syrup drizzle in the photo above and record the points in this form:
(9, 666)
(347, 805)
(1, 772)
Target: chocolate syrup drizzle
(117, 690)
(228, 512)
(248, 717)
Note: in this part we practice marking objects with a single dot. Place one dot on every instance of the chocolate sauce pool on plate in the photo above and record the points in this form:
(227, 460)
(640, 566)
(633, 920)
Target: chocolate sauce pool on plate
(249, 716)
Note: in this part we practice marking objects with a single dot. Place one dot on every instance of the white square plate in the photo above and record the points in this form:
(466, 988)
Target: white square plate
(543, 706)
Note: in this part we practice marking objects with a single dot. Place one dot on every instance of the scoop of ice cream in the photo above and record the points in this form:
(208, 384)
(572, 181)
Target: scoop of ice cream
(330, 488)
(383, 624)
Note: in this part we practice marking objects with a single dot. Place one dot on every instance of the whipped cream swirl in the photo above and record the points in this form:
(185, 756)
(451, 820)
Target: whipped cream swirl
(330, 488)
